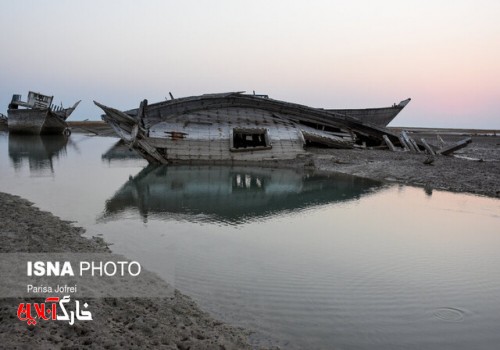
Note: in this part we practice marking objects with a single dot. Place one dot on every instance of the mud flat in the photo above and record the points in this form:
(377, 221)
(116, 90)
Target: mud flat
(132, 323)
(474, 169)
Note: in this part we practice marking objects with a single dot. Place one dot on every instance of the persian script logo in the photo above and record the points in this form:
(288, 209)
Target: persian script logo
(42, 312)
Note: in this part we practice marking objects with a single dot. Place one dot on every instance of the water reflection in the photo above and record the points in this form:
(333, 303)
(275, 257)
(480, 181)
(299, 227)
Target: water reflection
(38, 151)
(119, 152)
(231, 195)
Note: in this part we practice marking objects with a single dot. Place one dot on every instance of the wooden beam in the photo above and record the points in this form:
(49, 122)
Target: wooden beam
(427, 147)
(389, 143)
(414, 143)
(454, 147)
(403, 143)
(408, 141)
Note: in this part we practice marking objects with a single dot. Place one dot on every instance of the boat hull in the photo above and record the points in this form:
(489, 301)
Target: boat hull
(208, 137)
(35, 122)
(378, 116)
(235, 127)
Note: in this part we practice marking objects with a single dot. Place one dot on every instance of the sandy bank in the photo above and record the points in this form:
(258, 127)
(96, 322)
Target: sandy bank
(118, 323)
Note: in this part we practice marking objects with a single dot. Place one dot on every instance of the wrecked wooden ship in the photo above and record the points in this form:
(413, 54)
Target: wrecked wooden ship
(379, 116)
(38, 115)
(236, 127)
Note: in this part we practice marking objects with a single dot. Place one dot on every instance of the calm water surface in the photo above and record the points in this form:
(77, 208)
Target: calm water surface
(306, 261)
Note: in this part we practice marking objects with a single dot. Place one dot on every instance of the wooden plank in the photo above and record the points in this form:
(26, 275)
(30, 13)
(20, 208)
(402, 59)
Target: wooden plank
(414, 143)
(454, 147)
(405, 136)
(327, 140)
(427, 147)
(404, 144)
(389, 143)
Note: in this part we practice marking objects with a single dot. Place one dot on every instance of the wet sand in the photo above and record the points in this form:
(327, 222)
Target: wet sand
(118, 323)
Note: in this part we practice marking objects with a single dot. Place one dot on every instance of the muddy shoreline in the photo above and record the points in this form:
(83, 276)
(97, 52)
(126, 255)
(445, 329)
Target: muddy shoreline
(175, 322)
(473, 169)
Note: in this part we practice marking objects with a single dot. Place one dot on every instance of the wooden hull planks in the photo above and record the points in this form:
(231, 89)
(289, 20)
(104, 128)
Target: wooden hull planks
(235, 127)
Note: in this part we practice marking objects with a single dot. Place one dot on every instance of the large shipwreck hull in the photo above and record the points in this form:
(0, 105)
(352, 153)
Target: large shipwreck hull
(235, 127)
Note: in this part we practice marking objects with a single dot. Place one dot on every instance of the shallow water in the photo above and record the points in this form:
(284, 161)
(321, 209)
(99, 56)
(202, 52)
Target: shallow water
(306, 261)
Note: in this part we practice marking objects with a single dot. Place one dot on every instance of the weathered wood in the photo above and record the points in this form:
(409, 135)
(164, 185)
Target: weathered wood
(39, 116)
(300, 112)
(211, 118)
(408, 141)
(440, 141)
(427, 147)
(404, 144)
(414, 143)
(380, 116)
(454, 147)
(326, 139)
(389, 143)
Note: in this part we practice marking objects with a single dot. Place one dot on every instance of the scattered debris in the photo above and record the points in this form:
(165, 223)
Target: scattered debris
(454, 147)
(429, 160)
(410, 145)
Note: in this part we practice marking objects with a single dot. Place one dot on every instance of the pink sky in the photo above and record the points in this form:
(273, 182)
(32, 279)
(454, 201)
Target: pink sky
(443, 54)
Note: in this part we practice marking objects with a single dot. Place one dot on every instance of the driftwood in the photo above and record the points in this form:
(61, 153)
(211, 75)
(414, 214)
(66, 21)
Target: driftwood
(454, 147)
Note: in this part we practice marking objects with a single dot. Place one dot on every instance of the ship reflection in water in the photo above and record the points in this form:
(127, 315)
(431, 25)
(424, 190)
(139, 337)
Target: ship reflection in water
(229, 195)
(37, 151)
(119, 152)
